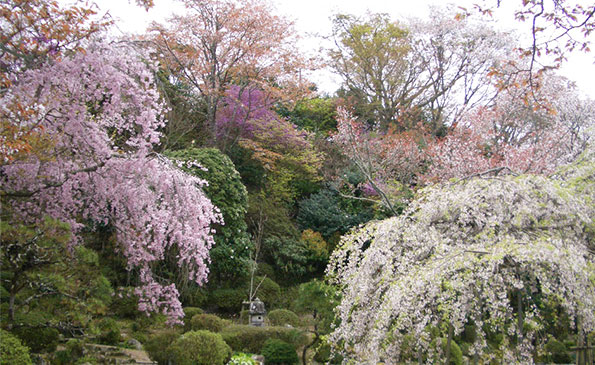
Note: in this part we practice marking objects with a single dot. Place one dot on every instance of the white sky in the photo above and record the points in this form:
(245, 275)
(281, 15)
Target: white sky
(313, 17)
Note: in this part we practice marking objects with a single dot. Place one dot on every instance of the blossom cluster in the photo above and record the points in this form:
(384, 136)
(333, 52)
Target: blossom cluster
(458, 257)
(100, 110)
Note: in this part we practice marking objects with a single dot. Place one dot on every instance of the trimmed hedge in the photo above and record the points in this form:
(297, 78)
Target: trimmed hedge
(190, 312)
(283, 317)
(209, 322)
(277, 352)
(251, 339)
(200, 348)
(158, 345)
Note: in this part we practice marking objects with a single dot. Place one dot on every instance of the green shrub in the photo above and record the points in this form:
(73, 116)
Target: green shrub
(209, 322)
(110, 331)
(241, 358)
(200, 348)
(228, 300)
(75, 347)
(557, 352)
(283, 317)
(251, 339)
(157, 346)
(12, 352)
(140, 337)
(62, 357)
(190, 312)
(277, 352)
(40, 339)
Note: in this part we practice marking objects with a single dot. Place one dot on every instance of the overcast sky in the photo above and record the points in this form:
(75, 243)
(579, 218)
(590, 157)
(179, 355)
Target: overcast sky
(312, 17)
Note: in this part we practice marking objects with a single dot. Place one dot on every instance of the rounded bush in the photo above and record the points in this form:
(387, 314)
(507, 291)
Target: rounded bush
(200, 348)
(283, 317)
(12, 351)
(75, 347)
(72, 352)
(209, 322)
(190, 312)
(251, 339)
(277, 352)
(43, 339)
(158, 346)
(558, 353)
(110, 332)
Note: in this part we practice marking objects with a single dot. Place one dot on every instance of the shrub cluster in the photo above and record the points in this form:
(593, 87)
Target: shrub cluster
(277, 352)
(200, 348)
(251, 339)
(209, 322)
(158, 346)
(283, 317)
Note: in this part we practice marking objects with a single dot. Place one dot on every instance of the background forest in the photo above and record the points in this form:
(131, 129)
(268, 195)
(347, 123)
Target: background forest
(437, 208)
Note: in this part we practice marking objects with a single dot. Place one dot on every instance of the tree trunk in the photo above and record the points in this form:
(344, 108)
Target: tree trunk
(448, 342)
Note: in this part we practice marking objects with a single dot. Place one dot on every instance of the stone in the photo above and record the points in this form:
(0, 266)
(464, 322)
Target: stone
(135, 344)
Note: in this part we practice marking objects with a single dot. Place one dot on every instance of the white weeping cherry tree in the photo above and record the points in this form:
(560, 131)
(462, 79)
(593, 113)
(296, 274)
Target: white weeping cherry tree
(488, 255)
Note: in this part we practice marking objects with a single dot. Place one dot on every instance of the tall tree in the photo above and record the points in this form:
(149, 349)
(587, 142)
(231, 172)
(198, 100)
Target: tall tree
(475, 257)
(406, 73)
(100, 111)
(516, 133)
(220, 42)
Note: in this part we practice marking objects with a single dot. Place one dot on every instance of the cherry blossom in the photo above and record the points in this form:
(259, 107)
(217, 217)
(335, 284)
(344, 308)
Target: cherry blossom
(488, 252)
(101, 111)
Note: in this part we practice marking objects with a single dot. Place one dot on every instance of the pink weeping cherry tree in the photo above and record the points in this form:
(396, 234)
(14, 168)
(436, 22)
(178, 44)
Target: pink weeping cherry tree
(100, 112)
(474, 258)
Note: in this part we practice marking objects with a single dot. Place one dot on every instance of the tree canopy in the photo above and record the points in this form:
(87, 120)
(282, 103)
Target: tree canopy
(494, 254)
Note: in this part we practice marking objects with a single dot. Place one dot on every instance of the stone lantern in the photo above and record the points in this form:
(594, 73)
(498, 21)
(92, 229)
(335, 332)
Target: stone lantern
(257, 312)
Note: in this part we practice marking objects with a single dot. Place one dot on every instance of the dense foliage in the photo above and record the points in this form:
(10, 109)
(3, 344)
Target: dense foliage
(232, 247)
(446, 187)
(201, 348)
